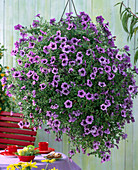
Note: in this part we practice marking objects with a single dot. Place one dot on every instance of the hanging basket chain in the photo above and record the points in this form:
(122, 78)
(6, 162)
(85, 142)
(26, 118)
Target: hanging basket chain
(66, 7)
(74, 8)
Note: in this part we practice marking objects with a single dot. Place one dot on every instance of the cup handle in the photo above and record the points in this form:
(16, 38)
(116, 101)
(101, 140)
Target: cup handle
(6, 150)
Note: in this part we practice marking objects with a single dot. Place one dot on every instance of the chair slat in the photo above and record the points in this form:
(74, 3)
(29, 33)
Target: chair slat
(13, 125)
(9, 114)
(17, 131)
(12, 119)
(21, 143)
(20, 137)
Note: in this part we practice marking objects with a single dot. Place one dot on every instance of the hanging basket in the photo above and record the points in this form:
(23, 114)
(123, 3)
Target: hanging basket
(71, 76)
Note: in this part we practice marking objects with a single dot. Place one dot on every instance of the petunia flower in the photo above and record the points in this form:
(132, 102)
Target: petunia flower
(68, 104)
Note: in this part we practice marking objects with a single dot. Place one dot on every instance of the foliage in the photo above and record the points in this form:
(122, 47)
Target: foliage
(27, 151)
(71, 76)
(127, 16)
(4, 99)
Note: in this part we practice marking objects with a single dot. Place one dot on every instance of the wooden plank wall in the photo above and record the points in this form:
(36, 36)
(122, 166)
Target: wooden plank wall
(13, 12)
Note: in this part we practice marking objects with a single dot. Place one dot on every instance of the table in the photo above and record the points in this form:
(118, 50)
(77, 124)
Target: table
(62, 164)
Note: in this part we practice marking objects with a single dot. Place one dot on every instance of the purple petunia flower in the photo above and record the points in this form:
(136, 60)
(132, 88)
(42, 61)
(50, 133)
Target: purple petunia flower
(52, 60)
(100, 50)
(89, 96)
(16, 74)
(66, 49)
(18, 27)
(52, 20)
(71, 152)
(62, 45)
(30, 73)
(65, 85)
(31, 44)
(81, 93)
(89, 83)
(101, 84)
(65, 92)
(82, 72)
(44, 61)
(19, 62)
(100, 19)
(35, 77)
(40, 38)
(43, 86)
(72, 49)
(63, 56)
(46, 49)
(36, 59)
(53, 46)
(64, 62)
(26, 65)
(108, 144)
(79, 54)
(100, 70)
(55, 70)
(88, 52)
(22, 53)
(74, 41)
(57, 39)
(89, 119)
(70, 70)
(56, 77)
(35, 23)
(131, 89)
(87, 131)
(114, 68)
(72, 63)
(56, 123)
(83, 123)
(70, 26)
(68, 104)
(119, 57)
(102, 60)
(123, 113)
(108, 103)
(84, 24)
(72, 119)
(111, 76)
(54, 83)
(92, 75)
(103, 107)
(107, 69)
(126, 48)
(78, 60)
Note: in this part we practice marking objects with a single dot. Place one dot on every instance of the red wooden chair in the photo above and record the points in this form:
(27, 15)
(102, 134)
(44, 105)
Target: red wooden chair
(12, 134)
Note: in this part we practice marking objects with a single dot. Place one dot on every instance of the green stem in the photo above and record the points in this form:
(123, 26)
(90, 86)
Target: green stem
(46, 166)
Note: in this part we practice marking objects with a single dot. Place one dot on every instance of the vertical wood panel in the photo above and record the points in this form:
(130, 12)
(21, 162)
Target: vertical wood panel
(1, 25)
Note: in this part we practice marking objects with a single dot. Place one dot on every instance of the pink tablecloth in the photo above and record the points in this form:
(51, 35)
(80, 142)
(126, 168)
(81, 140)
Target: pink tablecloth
(61, 164)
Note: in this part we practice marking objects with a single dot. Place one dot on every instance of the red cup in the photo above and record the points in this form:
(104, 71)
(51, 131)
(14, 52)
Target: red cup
(11, 148)
(43, 146)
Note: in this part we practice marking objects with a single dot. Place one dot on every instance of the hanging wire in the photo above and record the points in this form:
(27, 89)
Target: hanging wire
(64, 10)
(74, 8)
(69, 2)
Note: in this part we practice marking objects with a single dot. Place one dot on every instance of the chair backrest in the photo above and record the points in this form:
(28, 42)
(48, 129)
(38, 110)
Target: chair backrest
(12, 134)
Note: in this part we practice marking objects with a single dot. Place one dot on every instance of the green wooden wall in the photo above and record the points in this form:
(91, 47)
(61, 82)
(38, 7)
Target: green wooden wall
(13, 12)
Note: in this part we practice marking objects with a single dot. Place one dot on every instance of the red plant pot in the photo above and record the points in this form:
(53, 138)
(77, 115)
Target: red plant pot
(26, 158)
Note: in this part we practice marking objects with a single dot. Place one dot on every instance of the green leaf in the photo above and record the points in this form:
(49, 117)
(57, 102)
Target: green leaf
(117, 3)
(121, 9)
(132, 24)
(135, 30)
(136, 57)
(125, 18)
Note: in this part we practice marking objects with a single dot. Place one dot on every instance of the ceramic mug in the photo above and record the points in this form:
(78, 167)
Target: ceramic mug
(11, 148)
(43, 146)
